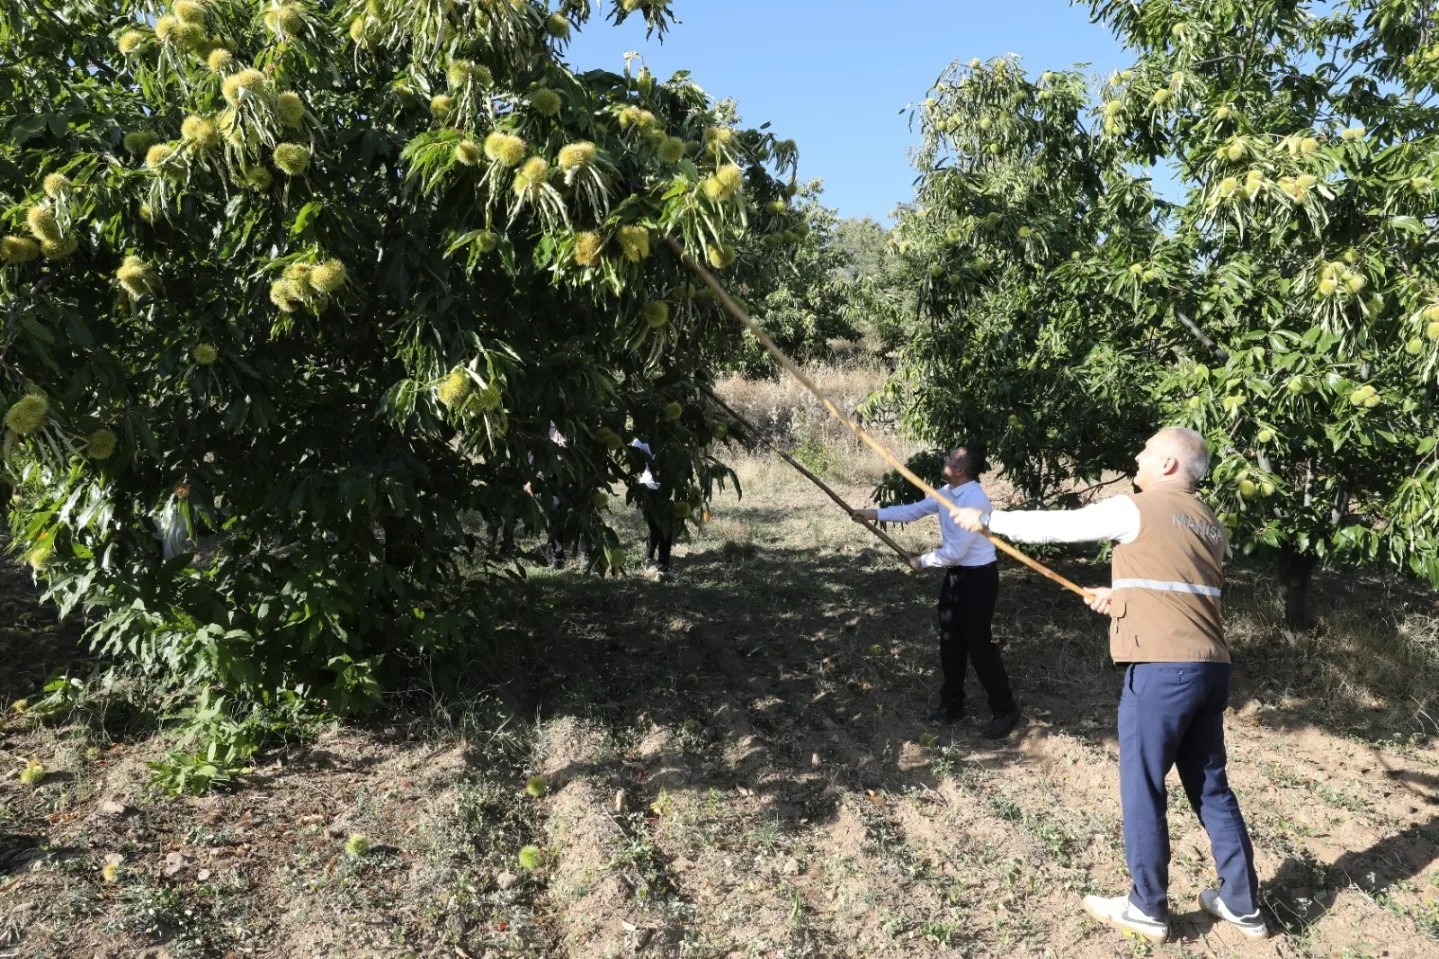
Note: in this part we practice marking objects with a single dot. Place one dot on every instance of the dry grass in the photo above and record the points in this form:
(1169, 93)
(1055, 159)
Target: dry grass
(779, 401)
(1372, 661)
(791, 417)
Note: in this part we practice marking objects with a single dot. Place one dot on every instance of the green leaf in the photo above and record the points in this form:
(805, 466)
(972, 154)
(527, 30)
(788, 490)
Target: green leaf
(302, 219)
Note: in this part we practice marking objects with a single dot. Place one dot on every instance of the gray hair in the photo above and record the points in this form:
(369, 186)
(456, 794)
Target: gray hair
(1192, 451)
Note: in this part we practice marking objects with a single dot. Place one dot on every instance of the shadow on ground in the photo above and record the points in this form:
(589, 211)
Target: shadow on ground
(34, 645)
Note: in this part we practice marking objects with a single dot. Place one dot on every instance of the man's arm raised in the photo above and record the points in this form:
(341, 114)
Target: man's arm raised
(1114, 519)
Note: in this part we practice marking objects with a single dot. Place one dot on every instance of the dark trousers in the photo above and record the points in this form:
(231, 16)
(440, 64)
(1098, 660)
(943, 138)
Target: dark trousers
(657, 544)
(966, 608)
(501, 535)
(1172, 714)
(566, 533)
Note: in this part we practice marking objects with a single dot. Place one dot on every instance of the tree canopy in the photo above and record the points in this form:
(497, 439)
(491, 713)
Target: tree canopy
(302, 280)
(1282, 297)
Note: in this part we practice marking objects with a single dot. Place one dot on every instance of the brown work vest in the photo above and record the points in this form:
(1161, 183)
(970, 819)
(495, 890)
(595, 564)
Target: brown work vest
(1166, 606)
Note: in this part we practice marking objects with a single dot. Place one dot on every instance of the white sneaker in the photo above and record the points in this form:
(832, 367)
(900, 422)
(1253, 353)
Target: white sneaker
(1251, 926)
(1122, 914)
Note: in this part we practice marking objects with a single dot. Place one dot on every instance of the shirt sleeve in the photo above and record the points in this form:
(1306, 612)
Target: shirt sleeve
(909, 512)
(950, 552)
(1116, 518)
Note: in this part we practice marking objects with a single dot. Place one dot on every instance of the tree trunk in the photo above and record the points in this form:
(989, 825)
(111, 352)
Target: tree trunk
(1296, 571)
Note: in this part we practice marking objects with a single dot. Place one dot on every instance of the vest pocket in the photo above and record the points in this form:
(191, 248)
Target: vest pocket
(1122, 636)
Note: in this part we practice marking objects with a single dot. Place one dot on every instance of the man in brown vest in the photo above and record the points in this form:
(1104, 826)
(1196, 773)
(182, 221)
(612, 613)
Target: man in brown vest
(1166, 626)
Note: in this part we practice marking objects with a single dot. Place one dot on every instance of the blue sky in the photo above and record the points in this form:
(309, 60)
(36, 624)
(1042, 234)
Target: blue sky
(833, 75)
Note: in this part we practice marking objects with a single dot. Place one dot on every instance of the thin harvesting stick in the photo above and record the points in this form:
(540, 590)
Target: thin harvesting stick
(859, 433)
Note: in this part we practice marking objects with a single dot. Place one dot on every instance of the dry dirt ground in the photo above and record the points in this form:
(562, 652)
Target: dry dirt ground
(737, 765)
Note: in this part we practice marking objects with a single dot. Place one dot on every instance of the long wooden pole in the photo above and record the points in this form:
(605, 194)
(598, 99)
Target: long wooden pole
(859, 433)
(805, 472)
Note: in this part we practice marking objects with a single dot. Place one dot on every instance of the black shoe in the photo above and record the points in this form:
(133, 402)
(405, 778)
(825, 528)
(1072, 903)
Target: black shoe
(947, 713)
(1001, 725)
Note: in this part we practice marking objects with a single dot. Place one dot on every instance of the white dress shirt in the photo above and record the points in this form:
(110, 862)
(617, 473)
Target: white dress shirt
(1116, 518)
(957, 547)
(647, 478)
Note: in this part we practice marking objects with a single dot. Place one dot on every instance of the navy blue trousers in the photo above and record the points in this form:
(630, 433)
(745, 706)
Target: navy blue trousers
(1172, 715)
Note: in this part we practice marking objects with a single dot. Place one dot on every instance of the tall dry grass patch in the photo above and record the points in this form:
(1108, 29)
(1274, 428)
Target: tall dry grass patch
(1371, 661)
(792, 418)
(778, 400)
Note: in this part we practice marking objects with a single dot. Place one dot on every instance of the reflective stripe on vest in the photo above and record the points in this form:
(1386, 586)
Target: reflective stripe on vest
(1163, 586)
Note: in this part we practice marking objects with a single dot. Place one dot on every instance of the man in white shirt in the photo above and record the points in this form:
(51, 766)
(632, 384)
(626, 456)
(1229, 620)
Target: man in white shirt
(653, 507)
(564, 509)
(966, 596)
